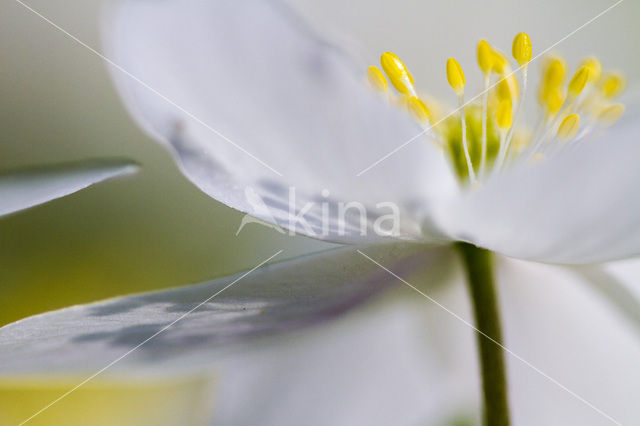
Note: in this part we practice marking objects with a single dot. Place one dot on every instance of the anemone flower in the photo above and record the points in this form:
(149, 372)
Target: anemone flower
(267, 116)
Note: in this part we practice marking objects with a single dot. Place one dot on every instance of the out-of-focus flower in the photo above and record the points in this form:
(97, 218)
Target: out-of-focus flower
(252, 97)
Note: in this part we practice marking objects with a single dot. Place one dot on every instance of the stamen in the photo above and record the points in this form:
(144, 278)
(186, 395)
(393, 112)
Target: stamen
(485, 62)
(398, 73)
(504, 115)
(500, 62)
(552, 96)
(553, 101)
(555, 71)
(521, 49)
(493, 125)
(418, 110)
(579, 81)
(569, 127)
(611, 114)
(456, 79)
(485, 57)
(522, 53)
(613, 84)
(376, 79)
(455, 76)
(504, 120)
(595, 68)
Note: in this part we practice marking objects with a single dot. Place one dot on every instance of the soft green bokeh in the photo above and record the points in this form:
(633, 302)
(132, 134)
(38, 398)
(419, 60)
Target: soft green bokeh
(103, 402)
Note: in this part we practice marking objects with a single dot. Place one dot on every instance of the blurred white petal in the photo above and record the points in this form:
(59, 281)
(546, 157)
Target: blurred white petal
(259, 75)
(24, 188)
(271, 299)
(409, 362)
(623, 294)
(556, 321)
(581, 206)
(378, 366)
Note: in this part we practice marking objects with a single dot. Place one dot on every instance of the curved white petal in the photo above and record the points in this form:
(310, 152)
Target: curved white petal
(580, 206)
(252, 102)
(28, 187)
(410, 362)
(379, 366)
(178, 328)
(623, 294)
(556, 322)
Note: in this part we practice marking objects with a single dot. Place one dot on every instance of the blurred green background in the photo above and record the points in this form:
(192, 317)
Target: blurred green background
(156, 230)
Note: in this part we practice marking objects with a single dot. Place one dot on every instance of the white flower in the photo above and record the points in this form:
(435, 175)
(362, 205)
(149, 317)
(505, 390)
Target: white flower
(246, 95)
(266, 81)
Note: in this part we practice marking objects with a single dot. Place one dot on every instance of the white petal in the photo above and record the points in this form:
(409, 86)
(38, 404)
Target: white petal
(274, 298)
(410, 362)
(623, 294)
(578, 207)
(251, 101)
(379, 366)
(29, 187)
(555, 321)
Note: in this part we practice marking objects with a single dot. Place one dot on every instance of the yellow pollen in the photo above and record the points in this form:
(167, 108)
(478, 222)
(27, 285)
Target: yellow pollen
(611, 114)
(499, 62)
(418, 110)
(397, 72)
(485, 56)
(554, 73)
(579, 81)
(569, 127)
(613, 84)
(552, 100)
(521, 49)
(393, 66)
(504, 116)
(376, 79)
(455, 76)
(507, 88)
(595, 68)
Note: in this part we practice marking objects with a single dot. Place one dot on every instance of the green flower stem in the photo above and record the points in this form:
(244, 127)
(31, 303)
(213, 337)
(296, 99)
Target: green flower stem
(479, 266)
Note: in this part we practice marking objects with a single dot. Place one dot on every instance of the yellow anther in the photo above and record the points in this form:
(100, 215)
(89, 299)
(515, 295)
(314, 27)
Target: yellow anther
(504, 115)
(393, 66)
(613, 84)
(376, 79)
(611, 114)
(499, 62)
(507, 88)
(554, 73)
(397, 72)
(595, 68)
(485, 56)
(521, 49)
(579, 80)
(552, 100)
(418, 110)
(455, 76)
(569, 127)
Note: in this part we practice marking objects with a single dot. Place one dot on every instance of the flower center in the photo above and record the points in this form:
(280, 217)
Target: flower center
(483, 136)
